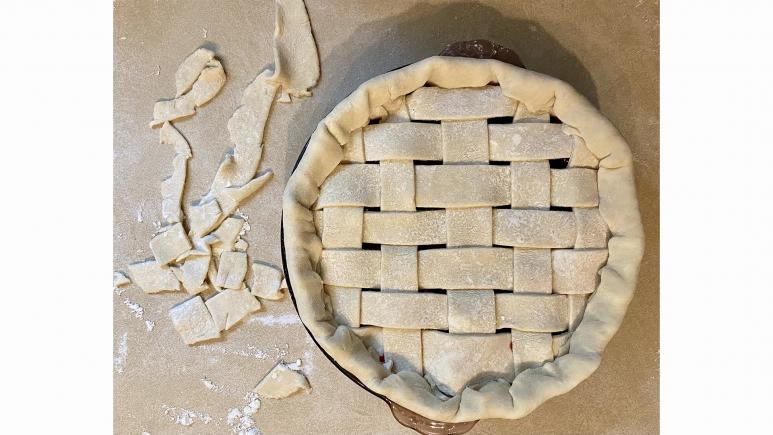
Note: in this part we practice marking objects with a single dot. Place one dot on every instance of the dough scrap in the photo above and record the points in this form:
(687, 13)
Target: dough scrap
(230, 306)
(281, 382)
(170, 244)
(152, 278)
(172, 187)
(203, 217)
(192, 320)
(295, 52)
(226, 234)
(202, 76)
(231, 270)
(120, 280)
(267, 281)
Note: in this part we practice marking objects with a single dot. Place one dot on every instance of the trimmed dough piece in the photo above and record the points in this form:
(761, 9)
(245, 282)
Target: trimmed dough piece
(203, 217)
(530, 185)
(190, 69)
(523, 115)
(561, 344)
(207, 84)
(454, 361)
(267, 281)
(152, 278)
(172, 187)
(354, 149)
(592, 231)
(529, 142)
(345, 302)
(577, 271)
(120, 279)
(577, 304)
(399, 268)
(532, 312)
(193, 272)
(575, 187)
(404, 310)
(532, 271)
(227, 234)
(581, 157)
(351, 268)
(402, 141)
(455, 186)
(404, 228)
(466, 268)
(354, 185)
(433, 103)
(469, 226)
(281, 382)
(170, 244)
(465, 141)
(403, 348)
(295, 52)
(472, 311)
(231, 270)
(534, 228)
(192, 320)
(397, 186)
(343, 227)
(531, 349)
(230, 306)
(397, 111)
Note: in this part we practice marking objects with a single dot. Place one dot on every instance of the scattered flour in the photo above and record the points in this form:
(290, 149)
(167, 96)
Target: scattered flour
(123, 350)
(204, 29)
(308, 357)
(119, 290)
(274, 353)
(185, 417)
(246, 226)
(240, 420)
(135, 308)
(139, 214)
(280, 320)
(149, 325)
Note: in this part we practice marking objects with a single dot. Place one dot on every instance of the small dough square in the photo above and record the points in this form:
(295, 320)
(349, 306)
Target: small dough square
(403, 347)
(561, 344)
(465, 141)
(346, 304)
(231, 270)
(230, 306)
(227, 234)
(267, 281)
(531, 349)
(577, 304)
(530, 184)
(192, 320)
(577, 271)
(592, 230)
(532, 272)
(532, 312)
(471, 311)
(193, 272)
(523, 114)
(152, 278)
(170, 244)
(203, 217)
(575, 187)
(398, 187)
(342, 227)
(399, 268)
(469, 226)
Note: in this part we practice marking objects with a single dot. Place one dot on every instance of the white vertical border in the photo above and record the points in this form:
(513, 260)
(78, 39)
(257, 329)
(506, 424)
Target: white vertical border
(56, 177)
(717, 218)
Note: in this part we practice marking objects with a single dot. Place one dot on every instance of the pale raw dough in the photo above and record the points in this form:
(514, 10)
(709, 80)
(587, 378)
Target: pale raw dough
(465, 141)
(230, 306)
(267, 282)
(170, 244)
(436, 103)
(226, 235)
(452, 186)
(404, 228)
(469, 227)
(402, 348)
(534, 228)
(402, 141)
(193, 321)
(152, 278)
(466, 268)
(399, 268)
(231, 270)
(537, 93)
(471, 311)
(203, 217)
(343, 228)
(120, 280)
(190, 68)
(397, 186)
(172, 187)
(295, 52)
(281, 382)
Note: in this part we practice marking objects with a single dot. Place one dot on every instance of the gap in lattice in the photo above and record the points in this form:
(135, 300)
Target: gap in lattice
(426, 121)
(555, 120)
(434, 246)
(500, 120)
(557, 208)
(559, 163)
(371, 247)
(427, 162)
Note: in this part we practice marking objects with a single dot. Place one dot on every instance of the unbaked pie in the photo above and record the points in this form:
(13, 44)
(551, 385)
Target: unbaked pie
(463, 237)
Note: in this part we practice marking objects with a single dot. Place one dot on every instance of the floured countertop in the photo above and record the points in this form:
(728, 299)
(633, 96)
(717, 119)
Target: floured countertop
(609, 52)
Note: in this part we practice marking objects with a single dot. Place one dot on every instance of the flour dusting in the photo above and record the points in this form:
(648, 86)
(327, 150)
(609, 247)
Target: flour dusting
(135, 308)
(149, 325)
(185, 417)
(240, 420)
(119, 361)
(246, 226)
(280, 320)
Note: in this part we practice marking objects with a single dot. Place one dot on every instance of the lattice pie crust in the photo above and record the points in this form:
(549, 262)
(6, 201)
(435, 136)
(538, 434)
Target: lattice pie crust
(484, 253)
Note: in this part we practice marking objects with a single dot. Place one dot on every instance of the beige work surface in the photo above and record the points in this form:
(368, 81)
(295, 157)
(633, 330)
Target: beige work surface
(608, 50)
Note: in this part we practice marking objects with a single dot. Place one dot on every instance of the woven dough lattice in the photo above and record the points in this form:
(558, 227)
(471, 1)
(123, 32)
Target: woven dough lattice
(467, 229)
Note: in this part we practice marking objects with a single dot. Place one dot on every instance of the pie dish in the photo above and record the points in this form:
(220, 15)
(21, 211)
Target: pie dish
(463, 237)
